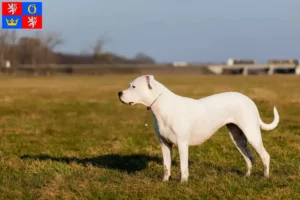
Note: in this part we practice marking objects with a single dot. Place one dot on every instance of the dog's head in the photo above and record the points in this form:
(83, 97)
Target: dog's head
(141, 90)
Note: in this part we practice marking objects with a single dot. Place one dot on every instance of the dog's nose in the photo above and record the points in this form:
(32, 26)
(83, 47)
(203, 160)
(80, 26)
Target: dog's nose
(120, 94)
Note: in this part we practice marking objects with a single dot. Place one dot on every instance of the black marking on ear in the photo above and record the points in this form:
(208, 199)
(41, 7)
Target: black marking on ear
(148, 81)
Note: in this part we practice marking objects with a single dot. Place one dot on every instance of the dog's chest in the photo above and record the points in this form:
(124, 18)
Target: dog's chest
(164, 130)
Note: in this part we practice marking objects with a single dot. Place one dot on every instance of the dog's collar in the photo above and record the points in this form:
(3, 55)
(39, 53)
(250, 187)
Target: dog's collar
(149, 107)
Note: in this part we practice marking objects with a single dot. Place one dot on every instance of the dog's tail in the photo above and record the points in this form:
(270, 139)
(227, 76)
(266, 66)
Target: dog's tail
(268, 127)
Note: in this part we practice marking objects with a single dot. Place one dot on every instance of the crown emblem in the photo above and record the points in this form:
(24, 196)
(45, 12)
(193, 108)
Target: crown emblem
(12, 22)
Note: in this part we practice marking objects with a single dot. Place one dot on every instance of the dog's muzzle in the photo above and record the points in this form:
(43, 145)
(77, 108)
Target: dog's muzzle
(120, 95)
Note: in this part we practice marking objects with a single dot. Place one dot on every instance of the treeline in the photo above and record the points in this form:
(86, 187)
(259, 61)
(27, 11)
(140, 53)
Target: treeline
(103, 58)
(40, 49)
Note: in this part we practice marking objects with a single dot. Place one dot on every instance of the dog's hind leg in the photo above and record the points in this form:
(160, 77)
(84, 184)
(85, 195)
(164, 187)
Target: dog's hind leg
(240, 141)
(253, 134)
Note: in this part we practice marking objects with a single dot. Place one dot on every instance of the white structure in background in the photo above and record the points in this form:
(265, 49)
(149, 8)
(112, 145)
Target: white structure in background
(297, 70)
(7, 64)
(231, 62)
(245, 65)
(180, 64)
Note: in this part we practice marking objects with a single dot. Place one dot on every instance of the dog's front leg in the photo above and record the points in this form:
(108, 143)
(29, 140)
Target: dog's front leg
(183, 148)
(167, 158)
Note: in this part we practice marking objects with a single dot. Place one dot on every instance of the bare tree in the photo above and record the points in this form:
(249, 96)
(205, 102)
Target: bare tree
(3, 39)
(50, 41)
(28, 50)
(98, 48)
(143, 58)
(11, 53)
(7, 42)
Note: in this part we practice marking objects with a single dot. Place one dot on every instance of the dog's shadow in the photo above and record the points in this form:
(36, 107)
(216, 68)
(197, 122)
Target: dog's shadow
(126, 163)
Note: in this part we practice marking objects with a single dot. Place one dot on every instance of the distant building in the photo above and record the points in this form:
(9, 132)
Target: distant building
(231, 61)
(286, 61)
(274, 61)
(180, 64)
(291, 62)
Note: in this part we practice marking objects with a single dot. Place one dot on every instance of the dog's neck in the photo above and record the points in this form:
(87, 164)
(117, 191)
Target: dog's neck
(160, 92)
(149, 107)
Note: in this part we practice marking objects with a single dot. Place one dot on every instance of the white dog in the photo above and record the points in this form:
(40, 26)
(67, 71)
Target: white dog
(184, 121)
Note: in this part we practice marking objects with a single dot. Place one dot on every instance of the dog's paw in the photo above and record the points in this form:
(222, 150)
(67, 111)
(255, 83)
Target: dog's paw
(184, 180)
(248, 173)
(166, 178)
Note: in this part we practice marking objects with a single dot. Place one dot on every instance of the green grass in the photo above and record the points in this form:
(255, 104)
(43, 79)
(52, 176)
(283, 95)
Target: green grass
(71, 138)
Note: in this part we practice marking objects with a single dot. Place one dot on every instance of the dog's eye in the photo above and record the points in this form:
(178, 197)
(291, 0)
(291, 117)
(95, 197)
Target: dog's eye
(133, 86)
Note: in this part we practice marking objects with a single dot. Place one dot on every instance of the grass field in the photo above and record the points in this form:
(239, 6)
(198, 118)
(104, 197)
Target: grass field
(71, 138)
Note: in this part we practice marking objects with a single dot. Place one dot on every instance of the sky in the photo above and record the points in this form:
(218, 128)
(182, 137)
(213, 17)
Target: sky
(177, 30)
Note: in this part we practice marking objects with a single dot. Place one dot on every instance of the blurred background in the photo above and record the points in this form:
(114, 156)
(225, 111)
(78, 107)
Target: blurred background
(99, 37)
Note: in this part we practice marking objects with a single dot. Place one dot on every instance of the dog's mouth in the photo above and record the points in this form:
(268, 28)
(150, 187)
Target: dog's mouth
(122, 100)
(130, 103)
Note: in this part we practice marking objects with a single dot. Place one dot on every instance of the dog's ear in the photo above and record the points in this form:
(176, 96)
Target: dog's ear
(150, 81)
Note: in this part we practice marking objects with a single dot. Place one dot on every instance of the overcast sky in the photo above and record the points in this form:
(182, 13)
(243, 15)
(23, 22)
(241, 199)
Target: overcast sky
(169, 30)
